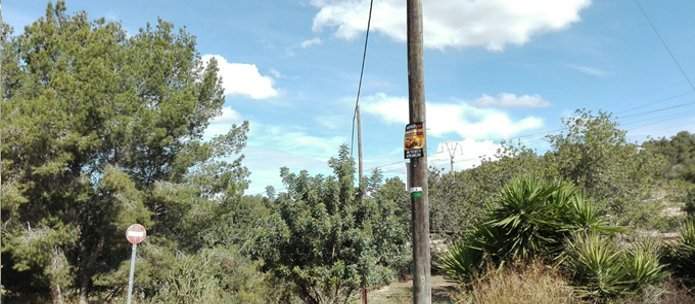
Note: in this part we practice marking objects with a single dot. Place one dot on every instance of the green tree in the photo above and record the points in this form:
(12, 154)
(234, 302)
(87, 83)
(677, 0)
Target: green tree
(594, 154)
(328, 242)
(679, 151)
(101, 130)
(459, 199)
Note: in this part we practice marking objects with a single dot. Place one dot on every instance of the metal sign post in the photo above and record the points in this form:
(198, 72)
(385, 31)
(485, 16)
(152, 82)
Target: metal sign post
(135, 234)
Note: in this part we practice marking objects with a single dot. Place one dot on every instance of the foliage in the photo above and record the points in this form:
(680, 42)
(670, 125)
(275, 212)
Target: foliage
(459, 199)
(216, 275)
(595, 262)
(679, 151)
(601, 270)
(680, 257)
(689, 207)
(463, 260)
(593, 153)
(532, 283)
(671, 292)
(532, 218)
(328, 243)
(101, 130)
(643, 268)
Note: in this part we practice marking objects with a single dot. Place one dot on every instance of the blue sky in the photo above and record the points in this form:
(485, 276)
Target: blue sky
(495, 70)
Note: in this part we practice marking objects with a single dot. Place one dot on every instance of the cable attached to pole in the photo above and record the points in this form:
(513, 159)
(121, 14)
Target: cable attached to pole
(359, 84)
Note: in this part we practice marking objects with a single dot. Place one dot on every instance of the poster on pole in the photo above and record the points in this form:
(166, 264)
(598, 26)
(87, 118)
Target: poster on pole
(414, 143)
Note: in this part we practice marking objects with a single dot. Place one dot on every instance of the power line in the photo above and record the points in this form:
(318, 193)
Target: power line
(664, 44)
(680, 105)
(669, 98)
(629, 110)
(359, 84)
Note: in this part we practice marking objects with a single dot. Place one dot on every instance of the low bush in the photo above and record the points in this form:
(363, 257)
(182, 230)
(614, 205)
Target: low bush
(594, 261)
(531, 219)
(530, 284)
(601, 270)
(671, 292)
(680, 257)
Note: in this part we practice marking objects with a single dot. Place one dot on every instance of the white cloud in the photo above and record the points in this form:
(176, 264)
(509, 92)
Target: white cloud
(243, 79)
(507, 100)
(458, 118)
(223, 122)
(491, 24)
(271, 147)
(591, 71)
(311, 42)
(276, 74)
(467, 153)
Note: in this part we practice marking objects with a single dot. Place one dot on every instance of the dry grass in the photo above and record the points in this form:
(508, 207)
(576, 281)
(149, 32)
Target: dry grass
(531, 284)
(671, 292)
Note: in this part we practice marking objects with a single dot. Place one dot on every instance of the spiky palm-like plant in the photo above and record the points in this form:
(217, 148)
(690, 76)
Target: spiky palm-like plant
(642, 265)
(680, 257)
(532, 218)
(595, 262)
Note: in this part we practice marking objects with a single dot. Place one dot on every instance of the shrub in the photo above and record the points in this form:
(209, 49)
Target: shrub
(463, 259)
(689, 207)
(671, 292)
(680, 257)
(602, 271)
(642, 266)
(595, 262)
(532, 218)
(531, 284)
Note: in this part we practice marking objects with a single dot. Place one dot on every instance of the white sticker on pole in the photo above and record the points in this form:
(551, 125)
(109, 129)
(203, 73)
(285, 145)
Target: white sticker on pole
(135, 234)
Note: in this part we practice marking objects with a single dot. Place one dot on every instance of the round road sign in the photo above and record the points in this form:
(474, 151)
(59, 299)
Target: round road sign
(135, 234)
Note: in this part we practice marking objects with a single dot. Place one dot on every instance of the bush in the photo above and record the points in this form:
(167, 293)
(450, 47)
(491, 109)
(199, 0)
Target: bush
(671, 292)
(215, 275)
(532, 218)
(595, 262)
(680, 257)
(689, 207)
(531, 284)
(602, 271)
(642, 266)
(462, 261)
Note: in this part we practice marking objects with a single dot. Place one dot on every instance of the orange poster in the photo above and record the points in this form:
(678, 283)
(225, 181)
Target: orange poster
(414, 140)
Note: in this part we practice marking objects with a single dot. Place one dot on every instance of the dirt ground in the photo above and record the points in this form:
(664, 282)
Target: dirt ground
(400, 292)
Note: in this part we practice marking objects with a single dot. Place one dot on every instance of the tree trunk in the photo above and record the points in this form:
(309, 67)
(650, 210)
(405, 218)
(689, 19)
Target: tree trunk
(84, 293)
(55, 269)
(56, 294)
(86, 271)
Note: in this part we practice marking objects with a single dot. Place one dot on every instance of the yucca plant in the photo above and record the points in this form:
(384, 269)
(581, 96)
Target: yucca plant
(583, 216)
(595, 262)
(680, 257)
(642, 265)
(461, 262)
(528, 217)
(531, 219)
(687, 238)
(534, 217)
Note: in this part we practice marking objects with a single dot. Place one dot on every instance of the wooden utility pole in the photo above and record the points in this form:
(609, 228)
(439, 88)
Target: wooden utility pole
(422, 289)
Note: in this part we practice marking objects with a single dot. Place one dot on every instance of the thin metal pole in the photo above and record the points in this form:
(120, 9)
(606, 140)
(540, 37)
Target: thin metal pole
(360, 163)
(422, 292)
(131, 276)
